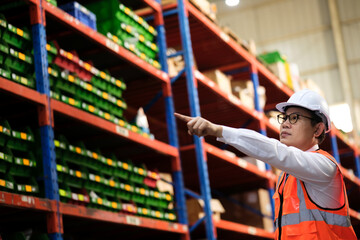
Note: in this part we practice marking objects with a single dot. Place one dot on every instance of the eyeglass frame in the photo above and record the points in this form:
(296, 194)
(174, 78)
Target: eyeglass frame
(287, 116)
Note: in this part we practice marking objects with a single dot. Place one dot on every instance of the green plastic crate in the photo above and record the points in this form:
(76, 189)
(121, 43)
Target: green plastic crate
(157, 214)
(27, 186)
(76, 154)
(95, 182)
(138, 199)
(53, 72)
(111, 187)
(51, 51)
(76, 177)
(6, 183)
(170, 215)
(5, 132)
(62, 171)
(122, 170)
(19, 62)
(5, 72)
(71, 101)
(16, 37)
(143, 211)
(138, 175)
(21, 140)
(23, 166)
(27, 81)
(6, 159)
(101, 202)
(272, 57)
(65, 83)
(4, 52)
(93, 160)
(110, 14)
(108, 86)
(55, 95)
(125, 191)
(64, 192)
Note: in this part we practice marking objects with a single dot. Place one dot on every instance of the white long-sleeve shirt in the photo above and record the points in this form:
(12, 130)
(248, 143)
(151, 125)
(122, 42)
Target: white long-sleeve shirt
(320, 175)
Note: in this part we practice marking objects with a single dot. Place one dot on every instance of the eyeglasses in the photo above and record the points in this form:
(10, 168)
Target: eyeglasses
(293, 117)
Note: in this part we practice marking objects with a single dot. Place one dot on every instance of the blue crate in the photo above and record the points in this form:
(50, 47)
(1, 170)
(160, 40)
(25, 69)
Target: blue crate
(81, 13)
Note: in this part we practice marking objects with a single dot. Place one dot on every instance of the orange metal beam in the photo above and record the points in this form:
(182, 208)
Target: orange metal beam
(113, 128)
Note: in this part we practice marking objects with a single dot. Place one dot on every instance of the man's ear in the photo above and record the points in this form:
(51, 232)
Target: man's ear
(319, 129)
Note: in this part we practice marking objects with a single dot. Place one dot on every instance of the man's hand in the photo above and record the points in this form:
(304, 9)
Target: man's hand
(200, 126)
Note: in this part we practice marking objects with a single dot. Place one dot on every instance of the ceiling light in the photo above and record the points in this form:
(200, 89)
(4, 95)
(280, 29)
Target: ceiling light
(232, 3)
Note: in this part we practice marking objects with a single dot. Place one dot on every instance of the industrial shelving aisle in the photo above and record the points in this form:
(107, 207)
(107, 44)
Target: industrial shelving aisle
(59, 117)
(204, 43)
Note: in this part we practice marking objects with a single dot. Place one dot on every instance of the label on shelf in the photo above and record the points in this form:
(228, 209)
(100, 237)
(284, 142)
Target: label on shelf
(133, 220)
(224, 36)
(122, 131)
(252, 230)
(242, 163)
(27, 199)
(112, 45)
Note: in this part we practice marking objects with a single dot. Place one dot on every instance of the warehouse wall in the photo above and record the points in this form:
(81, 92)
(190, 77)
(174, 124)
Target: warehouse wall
(301, 30)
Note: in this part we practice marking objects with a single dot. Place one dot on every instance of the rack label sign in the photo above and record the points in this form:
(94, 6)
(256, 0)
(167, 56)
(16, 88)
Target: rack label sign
(133, 220)
(122, 131)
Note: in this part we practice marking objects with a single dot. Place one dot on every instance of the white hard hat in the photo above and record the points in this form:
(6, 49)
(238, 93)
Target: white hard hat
(310, 100)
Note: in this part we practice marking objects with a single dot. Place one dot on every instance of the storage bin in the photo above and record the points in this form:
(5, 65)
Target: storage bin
(16, 37)
(21, 140)
(6, 183)
(19, 62)
(26, 185)
(6, 159)
(5, 72)
(24, 165)
(81, 13)
(5, 131)
(125, 191)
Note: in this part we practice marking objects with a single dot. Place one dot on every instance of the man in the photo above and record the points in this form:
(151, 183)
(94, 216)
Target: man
(310, 197)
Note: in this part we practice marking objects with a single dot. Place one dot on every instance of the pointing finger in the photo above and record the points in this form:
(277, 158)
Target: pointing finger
(183, 117)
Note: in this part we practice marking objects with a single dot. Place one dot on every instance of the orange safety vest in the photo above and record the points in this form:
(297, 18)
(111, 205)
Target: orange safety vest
(298, 217)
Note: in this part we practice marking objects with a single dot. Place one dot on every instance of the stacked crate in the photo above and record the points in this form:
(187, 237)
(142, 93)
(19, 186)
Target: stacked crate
(127, 29)
(89, 178)
(16, 60)
(18, 164)
(81, 85)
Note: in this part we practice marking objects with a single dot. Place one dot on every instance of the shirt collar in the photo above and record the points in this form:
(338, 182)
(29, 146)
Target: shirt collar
(313, 148)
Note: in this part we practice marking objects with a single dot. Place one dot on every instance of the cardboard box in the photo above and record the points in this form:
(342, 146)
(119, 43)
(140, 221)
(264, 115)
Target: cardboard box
(244, 90)
(209, 9)
(164, 186)
(256, 199)
(196, 212)
(220, 79)
(279, 70)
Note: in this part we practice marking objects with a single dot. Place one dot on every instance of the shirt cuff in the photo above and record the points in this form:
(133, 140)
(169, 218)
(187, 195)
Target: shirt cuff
(225, 134)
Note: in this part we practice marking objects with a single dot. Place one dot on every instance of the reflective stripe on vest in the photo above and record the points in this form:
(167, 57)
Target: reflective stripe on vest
(305, 214)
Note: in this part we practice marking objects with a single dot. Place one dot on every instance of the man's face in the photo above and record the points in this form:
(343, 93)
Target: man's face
(299, 134)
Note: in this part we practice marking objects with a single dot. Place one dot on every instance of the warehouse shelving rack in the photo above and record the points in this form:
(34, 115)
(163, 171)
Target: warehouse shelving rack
(200, 39)
(36, 106)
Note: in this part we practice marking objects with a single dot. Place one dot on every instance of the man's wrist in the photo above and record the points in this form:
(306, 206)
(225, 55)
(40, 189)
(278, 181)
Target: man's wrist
(218, 132)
